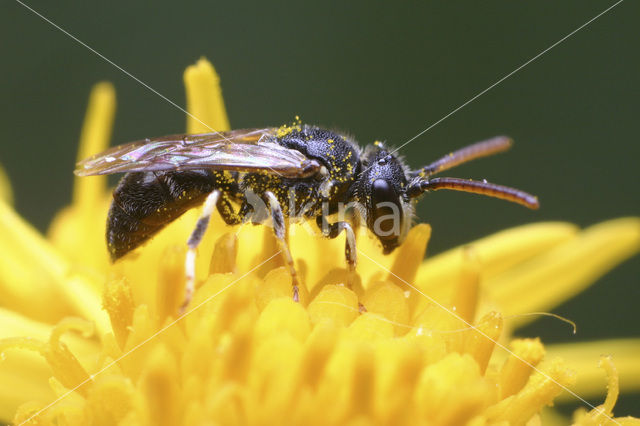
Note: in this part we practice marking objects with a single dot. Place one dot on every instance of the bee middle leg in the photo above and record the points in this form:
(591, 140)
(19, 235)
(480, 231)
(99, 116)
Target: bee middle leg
(280, 232)
(192, 243)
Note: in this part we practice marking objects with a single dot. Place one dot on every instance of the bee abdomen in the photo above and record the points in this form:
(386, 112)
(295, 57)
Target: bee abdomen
(144, 202)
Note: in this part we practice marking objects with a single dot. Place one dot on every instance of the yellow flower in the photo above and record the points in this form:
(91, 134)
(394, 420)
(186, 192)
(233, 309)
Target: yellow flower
(86, 342)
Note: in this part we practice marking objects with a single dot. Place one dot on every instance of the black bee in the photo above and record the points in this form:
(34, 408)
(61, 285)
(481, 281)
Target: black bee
(291, 171)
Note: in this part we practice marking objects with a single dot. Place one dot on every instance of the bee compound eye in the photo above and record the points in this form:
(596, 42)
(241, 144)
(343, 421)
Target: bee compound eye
(386, 212)
(382, 191)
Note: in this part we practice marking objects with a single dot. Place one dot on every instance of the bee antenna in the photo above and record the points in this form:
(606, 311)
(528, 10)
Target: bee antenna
(420, 185)
(477, 150)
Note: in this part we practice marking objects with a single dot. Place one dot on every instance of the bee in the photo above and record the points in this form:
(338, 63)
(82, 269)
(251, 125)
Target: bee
(298, 171)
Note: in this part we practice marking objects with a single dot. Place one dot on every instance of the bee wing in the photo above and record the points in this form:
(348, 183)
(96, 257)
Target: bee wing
(239, 150)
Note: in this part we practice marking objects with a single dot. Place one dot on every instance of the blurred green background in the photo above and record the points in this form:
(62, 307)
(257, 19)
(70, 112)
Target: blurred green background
(378, 71)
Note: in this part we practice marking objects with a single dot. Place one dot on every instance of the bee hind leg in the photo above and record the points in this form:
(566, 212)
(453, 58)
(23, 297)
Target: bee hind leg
(280, 232)
(192, 244)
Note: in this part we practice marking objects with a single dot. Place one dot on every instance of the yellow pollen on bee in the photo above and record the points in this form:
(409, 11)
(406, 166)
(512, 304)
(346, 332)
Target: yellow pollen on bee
(283, 131)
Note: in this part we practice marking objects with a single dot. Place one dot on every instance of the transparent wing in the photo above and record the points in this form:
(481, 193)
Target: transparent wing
(240, 150)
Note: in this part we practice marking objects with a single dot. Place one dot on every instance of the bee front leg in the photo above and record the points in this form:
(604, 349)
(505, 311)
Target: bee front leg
(350, 250)
(192, 244)
(279, 230)
(332, 231)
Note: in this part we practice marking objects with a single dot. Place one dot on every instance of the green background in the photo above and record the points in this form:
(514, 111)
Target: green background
(379, 71)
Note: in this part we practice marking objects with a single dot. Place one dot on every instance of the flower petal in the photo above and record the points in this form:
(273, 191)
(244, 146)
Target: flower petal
(82, 223)
(6, 194)
(558, 274)
(204, 99)
(589, 377)
(496, 253)
(388, 300)
(33, 274)
(451, 391)
(334, 304)
(25, 374)
(95, 136)
(159, 386)
(602, 415)
(409, 256)
(523, 356)
(540, 390)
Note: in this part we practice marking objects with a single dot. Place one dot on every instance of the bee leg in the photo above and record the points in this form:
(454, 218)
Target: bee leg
(192, 244)
(350, 252)
(226, 212)
(332, 230)
(280, 232)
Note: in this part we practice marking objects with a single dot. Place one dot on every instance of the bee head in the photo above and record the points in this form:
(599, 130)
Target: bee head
(380, 195)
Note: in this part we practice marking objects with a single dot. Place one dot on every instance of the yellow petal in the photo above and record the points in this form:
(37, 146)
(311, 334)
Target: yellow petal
(74, 227)
(224, 254)
(452, 391)
(409, 256)
(370, 327)
(272, 374)
(159, 387)
(6, 194)
(32, 274)
(26, 363)
(305, 244)
(613, 384)
(562, 272)
(317, 350)
(364, 379)
(204, 99)
(96, 133)
(82, 224)
(283, 316)
(66, 367)
(539, 391)
(480, 340)
(582, 357)
(525, 354)
(171, 281)
(86, 301)
(24, 374)
(603, 414)
(277, 285)
(496, 253)
(388, 300)
(334, 304)
(110, 400)
(466, 287)
(118, 302)
(398, 363)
